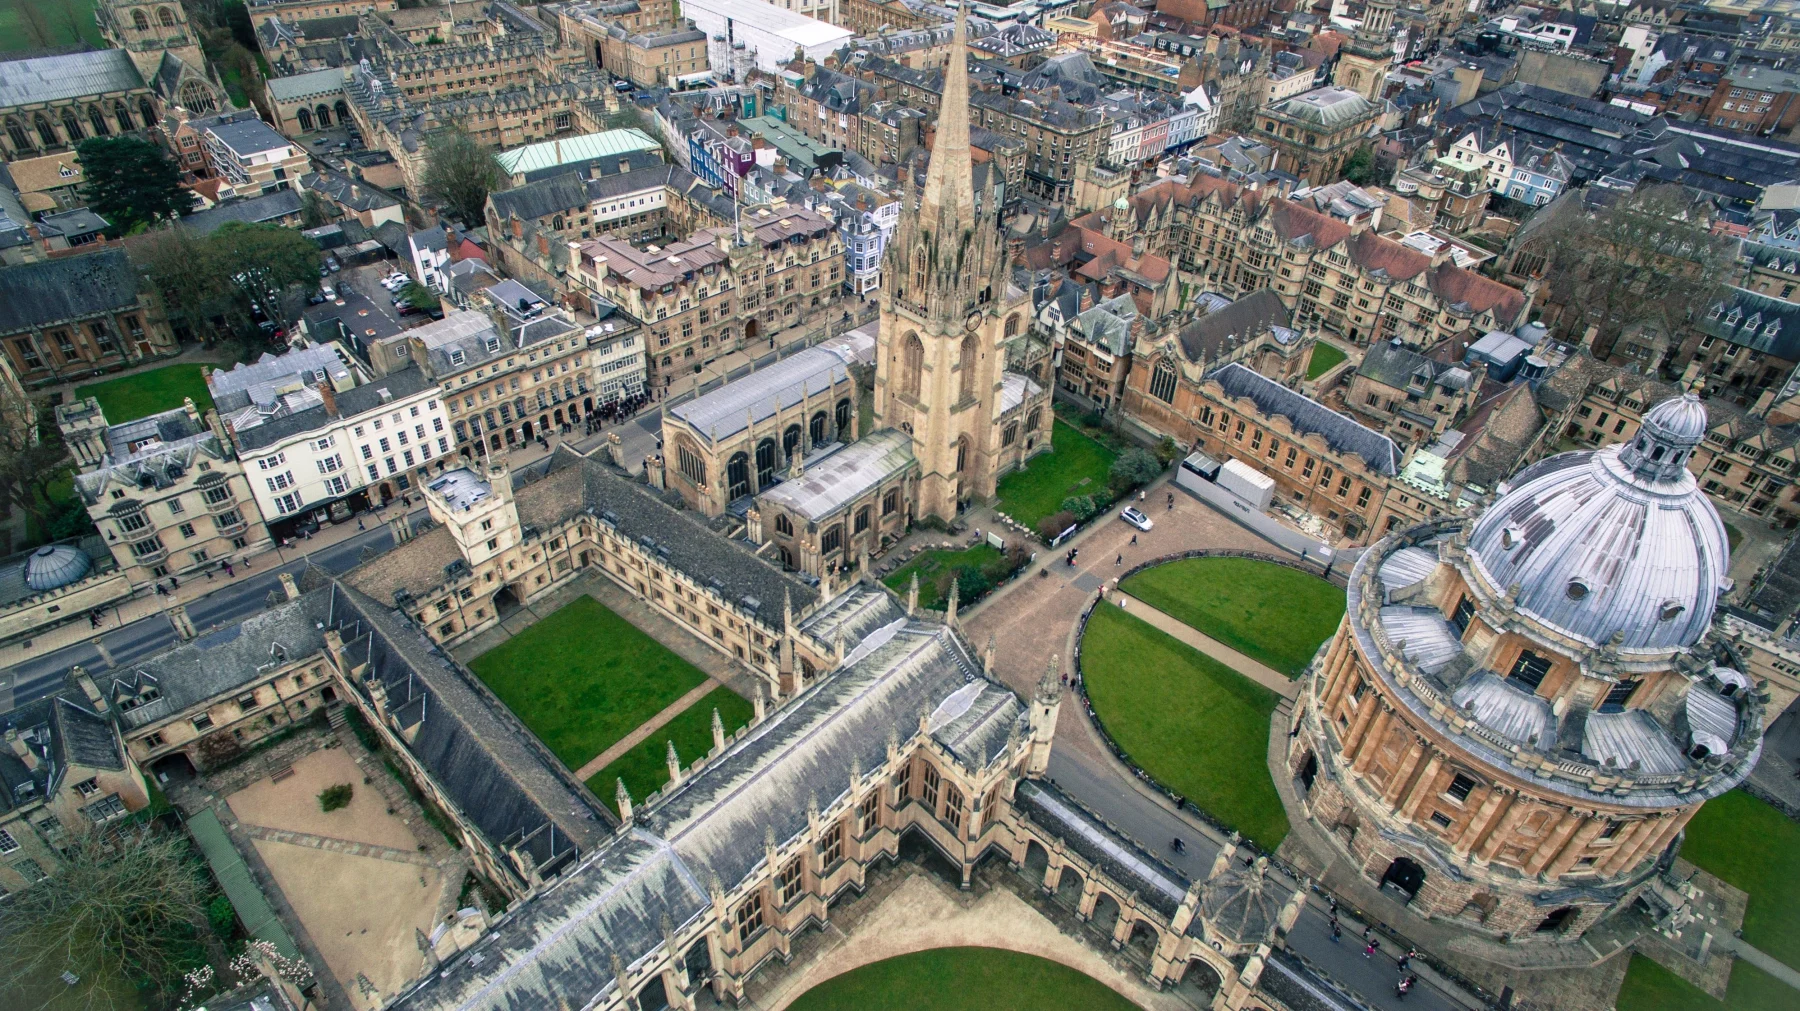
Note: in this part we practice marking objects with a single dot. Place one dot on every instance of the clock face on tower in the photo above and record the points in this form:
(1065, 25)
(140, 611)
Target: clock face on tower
(974, 321)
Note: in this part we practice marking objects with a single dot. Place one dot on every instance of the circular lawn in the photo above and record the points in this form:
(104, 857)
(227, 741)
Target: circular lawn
(962, 979)
(1272, 613)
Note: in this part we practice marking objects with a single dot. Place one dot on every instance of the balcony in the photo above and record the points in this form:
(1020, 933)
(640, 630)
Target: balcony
(224, 504)
(154, 556)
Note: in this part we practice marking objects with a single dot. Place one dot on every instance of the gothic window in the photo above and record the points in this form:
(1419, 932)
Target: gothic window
(890, 503)
(912, 364)
(765, 463)
(1032, 420)
(16, 133)
(962, 454)
(71, 126)
(831, 847)
(832, 540)
(790, 441)
(737, 476)
(967, 364)
(783, 525)
(323, 115)
(749, 917)
(1162, 382)
(123, 116)
(953, 802)
(929, 786)
(816, 428)
(919, 273)
(789, 881)
(863, 517)
(139, 21)
(692, 466)
(305, 119)
(843, 417)
(557, 223)
(147, 112)
(1012, 325)
(165, 17)
(196, 98)
(98, 120)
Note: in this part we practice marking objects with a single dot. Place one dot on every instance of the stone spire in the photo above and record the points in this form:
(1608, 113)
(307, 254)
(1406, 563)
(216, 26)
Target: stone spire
(622, 797)
(949, 189)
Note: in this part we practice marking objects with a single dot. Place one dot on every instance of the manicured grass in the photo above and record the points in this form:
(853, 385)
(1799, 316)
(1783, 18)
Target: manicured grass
(1077, 465)
(128, 398)
(962, 979)
(646, 767)
(1749, 844)
(1650, 987)
(1325, 357)
(929, 563)
(1268, 612)
(584, 677)
(66, 21)
(1197, 726)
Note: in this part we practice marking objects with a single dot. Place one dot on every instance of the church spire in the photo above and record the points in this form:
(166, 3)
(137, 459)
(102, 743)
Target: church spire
(948, 185)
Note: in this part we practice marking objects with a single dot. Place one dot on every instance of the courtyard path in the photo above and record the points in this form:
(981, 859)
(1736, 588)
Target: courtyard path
(645, 729)
(1262, 674)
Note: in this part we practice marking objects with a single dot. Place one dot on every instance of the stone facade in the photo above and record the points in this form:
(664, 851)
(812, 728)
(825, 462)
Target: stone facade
(77, 315)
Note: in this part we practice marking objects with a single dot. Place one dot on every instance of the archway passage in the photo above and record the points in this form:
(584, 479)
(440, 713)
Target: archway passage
(958, 978)
(1404, 874)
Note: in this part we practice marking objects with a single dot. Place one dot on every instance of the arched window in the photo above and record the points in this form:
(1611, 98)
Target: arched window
(71, 126)
(843, 418)
(918, 291)
(966, 361)
(790, 442)
(832, 540)
(147, 112)
(815, 429)
(1012, 325)
(304, 118)
(342, 109)
(323, 115)
(783, 525)
(557, 223)
(123, 116)
(165, 17)
(15, 132)
(196, 97)
(962, 454)
(97, 119)
(1162, 382)
(139, 21)
(693, 467)
(912, 365)
(737, 476)
(765, 463)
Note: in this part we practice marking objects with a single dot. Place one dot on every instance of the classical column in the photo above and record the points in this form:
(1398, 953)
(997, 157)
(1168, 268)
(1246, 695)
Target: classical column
(1553, 843)
(1360, 725)
(1422, 787)
(1370, 745)
(1396, 784)
(1578, 845)
(1514, 812)
(1484, 815)
(1628, 840)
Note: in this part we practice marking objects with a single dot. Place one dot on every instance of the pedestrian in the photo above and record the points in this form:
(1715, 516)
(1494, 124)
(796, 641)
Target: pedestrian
(1118, 561)
(174, 584)
(1369, 949)
(228, 571)
(1368, 933)
(209, 575)
(1336, 932)
(1141, 494)
(359, 524)
(1134, 540)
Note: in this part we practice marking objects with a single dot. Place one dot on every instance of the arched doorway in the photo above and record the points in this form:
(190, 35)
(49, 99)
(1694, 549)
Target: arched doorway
(1559, 920)
(1404, 875)
(1105, 916)
(1309, 771)
(525, 427)
(750, 330)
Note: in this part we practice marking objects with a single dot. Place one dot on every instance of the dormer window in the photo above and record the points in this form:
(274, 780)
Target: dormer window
(1576, 590)
(1671, 609)
(456, 356)
(492, 344)
(1716, 311)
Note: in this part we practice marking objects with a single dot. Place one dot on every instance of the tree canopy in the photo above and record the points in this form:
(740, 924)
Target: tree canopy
(460, 171)
(32, 457)
(131, 183)
(208, 281)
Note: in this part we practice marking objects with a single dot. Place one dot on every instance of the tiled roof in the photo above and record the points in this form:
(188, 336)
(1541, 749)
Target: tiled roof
(75, 75)
(38, 294)
(1308, 415)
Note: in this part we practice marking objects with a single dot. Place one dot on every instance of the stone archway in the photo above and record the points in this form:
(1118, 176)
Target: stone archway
(1199, 982)
(1405, 875)
(1069, 886)
(1037, 862)
(1143, 940)
(1105, 917)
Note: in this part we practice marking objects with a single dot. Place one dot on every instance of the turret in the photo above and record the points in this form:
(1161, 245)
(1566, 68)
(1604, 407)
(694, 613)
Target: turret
(1045, 702)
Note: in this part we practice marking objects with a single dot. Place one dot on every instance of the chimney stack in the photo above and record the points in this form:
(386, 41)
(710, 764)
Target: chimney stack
(328, 393)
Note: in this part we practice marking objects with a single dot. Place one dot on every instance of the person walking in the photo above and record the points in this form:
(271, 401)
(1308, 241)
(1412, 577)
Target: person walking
(1372, 947)
(1134, 540)
(1336, 932)
(1118, 561)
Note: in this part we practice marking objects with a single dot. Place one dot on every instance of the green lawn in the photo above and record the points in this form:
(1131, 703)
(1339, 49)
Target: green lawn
(24, 24)
(929, 563)
(584, 677)
(646, 767)
(1650, 987)
(1325, 357)
(1077, 466)
(1197, 726)
(1749, 844)
(962, 979)
(128, 398)
(1268, 612)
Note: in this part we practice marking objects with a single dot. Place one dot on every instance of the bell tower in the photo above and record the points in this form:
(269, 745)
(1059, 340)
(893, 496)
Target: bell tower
(149, 28)
(946, 308)
(1364, 62)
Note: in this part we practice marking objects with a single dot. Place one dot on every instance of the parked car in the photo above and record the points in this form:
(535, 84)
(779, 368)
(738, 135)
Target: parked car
(331, 261)
(324, 271)
(316, 298)
(1136, 519)
(327, 291)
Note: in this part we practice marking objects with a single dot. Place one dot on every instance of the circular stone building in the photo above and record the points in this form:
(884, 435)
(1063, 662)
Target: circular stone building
(1521, 710)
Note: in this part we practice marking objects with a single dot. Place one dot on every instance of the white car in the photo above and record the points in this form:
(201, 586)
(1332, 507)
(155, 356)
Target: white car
(1136, 519)
(394, 282)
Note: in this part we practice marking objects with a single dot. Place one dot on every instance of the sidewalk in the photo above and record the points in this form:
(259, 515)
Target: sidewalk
(146, 603)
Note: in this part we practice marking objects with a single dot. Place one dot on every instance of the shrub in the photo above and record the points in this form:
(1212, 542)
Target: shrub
(1082, 506)
(333, 797)
(1167, 452)
(1054, 524)
(221, 916)
(971, 585)
(1133, 469)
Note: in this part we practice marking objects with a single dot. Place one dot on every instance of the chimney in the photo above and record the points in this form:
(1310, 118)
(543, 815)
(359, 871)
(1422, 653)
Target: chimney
(543, 244)
(288, 587)
(518, 230)
(329, 394)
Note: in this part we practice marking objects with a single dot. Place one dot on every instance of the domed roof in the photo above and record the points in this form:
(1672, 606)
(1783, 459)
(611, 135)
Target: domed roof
(1242, 904)
(1615, 542)
(55, 565)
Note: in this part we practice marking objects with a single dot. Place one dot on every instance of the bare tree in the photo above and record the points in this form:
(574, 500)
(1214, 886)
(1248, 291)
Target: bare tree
(126, 909)
(32, 454)
(1648, 260)
(461, 171)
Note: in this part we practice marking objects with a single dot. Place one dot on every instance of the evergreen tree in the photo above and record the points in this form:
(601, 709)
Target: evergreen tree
(131, 183)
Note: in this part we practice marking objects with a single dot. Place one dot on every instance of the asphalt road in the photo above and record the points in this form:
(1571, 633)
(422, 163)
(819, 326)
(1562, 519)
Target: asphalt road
(42, 675)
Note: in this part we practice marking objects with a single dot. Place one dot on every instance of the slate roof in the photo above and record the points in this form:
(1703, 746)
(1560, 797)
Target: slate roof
(1394, 365)
(351, 403)
(730, 409)
(74, 75)
(1308, 415)
(248, 136)
(73, 287)
(1756, 321)
(1255, 313)
(298, 86)
(61, 730)
(845, 475)
(268, 207)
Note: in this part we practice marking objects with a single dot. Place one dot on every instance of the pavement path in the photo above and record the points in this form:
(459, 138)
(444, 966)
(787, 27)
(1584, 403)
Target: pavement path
(1761, 959)
(1260, 673)
(644, 730)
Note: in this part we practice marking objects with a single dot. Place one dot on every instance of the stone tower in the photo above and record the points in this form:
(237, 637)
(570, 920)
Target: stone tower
(147, 29)
(946, 308)
(1365, 61)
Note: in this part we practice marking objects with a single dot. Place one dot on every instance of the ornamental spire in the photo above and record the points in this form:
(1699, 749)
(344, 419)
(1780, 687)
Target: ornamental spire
(949, 189)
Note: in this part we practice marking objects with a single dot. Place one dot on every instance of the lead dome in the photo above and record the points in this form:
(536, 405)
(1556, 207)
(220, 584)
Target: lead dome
(1616, 545)
(55, 565)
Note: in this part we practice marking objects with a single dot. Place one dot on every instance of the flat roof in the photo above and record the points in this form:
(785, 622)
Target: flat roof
(564, 150)
(461, 488)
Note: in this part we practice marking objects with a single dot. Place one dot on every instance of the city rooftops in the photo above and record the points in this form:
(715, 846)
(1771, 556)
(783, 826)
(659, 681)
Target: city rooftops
(265, 380)
(461, 488)
(247, 137)
(566, 150)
